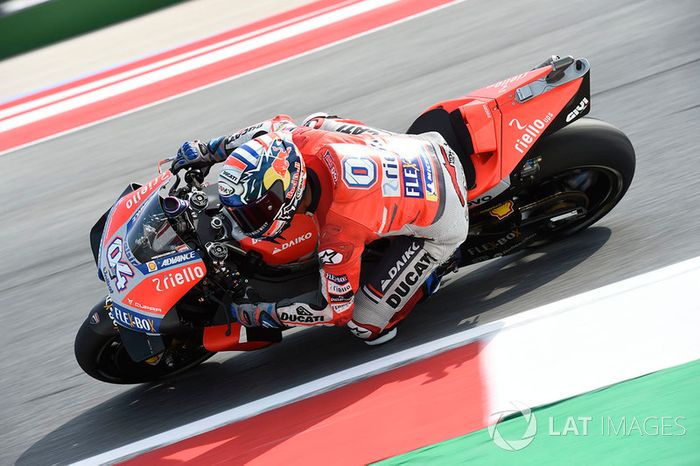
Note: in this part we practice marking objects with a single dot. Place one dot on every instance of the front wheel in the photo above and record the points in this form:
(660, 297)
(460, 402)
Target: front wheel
(584, 170)
(101, 354)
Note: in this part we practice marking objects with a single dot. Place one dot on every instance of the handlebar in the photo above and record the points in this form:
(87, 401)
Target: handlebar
(194, 177)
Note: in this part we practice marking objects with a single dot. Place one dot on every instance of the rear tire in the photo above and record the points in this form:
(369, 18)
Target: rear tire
(100, 353)
(585, 170)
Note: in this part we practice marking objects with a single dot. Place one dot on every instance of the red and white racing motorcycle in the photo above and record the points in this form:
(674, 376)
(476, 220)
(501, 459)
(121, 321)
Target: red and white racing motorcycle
(537, 171)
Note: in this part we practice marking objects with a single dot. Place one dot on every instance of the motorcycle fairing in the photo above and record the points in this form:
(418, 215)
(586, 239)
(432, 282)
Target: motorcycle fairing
(98, 230)
(127, 205)
(236, 337)
(507, 118)
(144, 289)
(524, 122)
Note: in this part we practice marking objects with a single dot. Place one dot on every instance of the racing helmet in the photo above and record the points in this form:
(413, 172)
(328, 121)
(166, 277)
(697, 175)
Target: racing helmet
(262, 183)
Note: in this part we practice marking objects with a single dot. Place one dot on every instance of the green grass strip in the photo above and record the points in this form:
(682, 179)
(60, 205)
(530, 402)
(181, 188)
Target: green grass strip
(56, 20)
(654, 419)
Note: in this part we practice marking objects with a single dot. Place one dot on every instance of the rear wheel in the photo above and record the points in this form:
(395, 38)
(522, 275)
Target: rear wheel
(584, 171)
(101, 354)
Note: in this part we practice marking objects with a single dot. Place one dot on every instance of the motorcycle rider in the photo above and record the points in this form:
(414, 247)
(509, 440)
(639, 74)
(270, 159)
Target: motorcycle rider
(360, 184)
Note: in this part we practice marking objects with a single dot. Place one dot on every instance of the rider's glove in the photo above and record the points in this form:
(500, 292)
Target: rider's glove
(256, 315)
(194, 154)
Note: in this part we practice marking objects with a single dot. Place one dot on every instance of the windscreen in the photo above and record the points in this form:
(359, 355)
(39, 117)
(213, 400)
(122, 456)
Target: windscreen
(151, 234)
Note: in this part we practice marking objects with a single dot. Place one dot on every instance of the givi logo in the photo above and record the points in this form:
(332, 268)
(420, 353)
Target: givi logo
(579, 108)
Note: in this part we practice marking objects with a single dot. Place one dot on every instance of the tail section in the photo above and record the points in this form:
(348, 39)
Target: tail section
(504, 120)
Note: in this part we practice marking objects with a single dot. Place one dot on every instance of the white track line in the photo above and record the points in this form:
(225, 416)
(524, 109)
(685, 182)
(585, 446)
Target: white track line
(639, 329)
(40, 102)
(231, 78)
(14, 6)
(181, 67)
(670, 274)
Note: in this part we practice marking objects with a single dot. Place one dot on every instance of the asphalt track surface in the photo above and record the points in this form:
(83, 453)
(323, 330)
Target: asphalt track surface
(645, 59)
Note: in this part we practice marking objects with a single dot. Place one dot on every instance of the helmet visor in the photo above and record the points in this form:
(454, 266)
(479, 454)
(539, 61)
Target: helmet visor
(257, 216)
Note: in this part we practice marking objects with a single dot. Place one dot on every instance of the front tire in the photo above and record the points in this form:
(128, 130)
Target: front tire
(101, 354)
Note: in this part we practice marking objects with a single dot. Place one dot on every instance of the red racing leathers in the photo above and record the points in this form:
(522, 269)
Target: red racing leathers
(372, 184)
